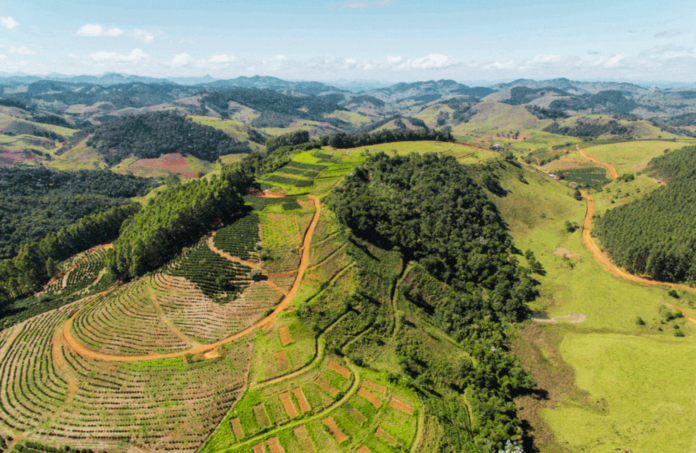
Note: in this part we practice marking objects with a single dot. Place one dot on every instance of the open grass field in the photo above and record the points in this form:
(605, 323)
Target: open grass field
(602, 402)
(633, 156)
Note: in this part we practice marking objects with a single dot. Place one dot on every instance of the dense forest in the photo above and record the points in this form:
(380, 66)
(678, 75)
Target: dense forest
(343, 140)
(153, 134)
(121, 95)
(36, 262)
(432, 212)
(687, 119)
(523, 95)
(174, 219)
(36, 202)
(655, 236)
(591, 129)
(609, 101)
(308, 107)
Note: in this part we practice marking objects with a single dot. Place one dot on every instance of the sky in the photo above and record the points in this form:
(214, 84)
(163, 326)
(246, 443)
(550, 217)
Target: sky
(381, 40)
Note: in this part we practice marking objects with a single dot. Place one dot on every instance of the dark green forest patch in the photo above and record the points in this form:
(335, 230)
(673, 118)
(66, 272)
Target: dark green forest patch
(656, 236)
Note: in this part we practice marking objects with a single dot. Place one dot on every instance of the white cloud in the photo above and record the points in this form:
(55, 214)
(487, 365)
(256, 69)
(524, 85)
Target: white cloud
(652, 64)
(2, 56)
(659, 50)
(433, 61)
(22, 50)
(94, 30)
(8, 22)
(182, 59)
(145, 36)
(221, 59)
(136, 56)
(668, 33)
(363, 4)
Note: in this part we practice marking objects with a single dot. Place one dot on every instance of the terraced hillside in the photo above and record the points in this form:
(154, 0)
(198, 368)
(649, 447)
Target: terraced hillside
(246, 340)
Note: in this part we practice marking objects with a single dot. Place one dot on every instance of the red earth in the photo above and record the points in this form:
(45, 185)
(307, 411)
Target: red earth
(175, 163)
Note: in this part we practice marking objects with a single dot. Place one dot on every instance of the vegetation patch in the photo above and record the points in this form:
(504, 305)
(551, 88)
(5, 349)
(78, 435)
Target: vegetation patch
(219, 278)
(590, 176)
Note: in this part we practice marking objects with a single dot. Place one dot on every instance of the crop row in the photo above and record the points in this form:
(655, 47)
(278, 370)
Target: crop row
(289, 181)
(325, 158)
(219, 278)
(199, 317)
(296, 171)
(241, 237)
(175, 404)
(32, 389)
(304, 166)
(126, 322)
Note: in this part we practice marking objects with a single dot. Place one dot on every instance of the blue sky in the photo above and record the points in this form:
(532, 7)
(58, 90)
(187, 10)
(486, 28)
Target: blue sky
(391, 40)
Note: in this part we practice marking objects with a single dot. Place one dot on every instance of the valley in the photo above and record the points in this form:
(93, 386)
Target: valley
(427, 267)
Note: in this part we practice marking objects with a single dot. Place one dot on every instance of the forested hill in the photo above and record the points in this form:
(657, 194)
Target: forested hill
(153, 134)
(430, 210)
(36, 202)
(308, 107)
(656, 235)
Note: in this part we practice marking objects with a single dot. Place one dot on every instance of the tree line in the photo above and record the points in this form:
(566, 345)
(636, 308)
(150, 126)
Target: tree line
(175, 218)
(37, 261)
(655, 236)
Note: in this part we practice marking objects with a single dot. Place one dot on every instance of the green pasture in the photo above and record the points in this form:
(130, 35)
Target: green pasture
(640, 378)
(633, 156)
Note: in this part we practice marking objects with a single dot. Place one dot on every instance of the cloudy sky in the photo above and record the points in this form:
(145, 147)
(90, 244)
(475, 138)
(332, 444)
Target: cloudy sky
(389, 40)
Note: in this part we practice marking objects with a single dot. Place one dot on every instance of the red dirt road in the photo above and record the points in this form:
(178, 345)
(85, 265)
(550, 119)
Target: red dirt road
(612, 171)
(605, 261)
(267, 321)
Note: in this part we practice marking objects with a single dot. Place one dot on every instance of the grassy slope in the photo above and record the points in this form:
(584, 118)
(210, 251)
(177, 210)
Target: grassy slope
(627, 398)
(632, 157)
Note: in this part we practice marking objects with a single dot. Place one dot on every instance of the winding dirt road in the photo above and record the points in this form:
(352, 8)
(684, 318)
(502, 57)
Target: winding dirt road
(605, 261)
(612, 171)
(202, 349)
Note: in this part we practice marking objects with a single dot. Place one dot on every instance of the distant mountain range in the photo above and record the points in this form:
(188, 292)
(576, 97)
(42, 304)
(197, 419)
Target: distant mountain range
(575, 87)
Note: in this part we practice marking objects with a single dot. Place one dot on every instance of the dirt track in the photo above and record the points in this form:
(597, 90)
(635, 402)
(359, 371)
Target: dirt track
(267, 321)
(612, 171)
(605, 261)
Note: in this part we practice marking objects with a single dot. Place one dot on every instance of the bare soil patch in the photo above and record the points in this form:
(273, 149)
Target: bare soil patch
(258, 448)
(363, 449)
(355, 414)
(282, 361)
(302, 401)
(274, 445)
(237, 428)
(400, 405)
(323, 384)
(382, 434)
(303, 438)
(288, 405)
(376, 387)
(340, 369)
(285, 337)
(560, 251)
(262, 416)
(335, 430)
(175, 163)
(369, 396)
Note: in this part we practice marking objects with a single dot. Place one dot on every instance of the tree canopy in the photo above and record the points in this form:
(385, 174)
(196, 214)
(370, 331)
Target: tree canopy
(656, 235)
